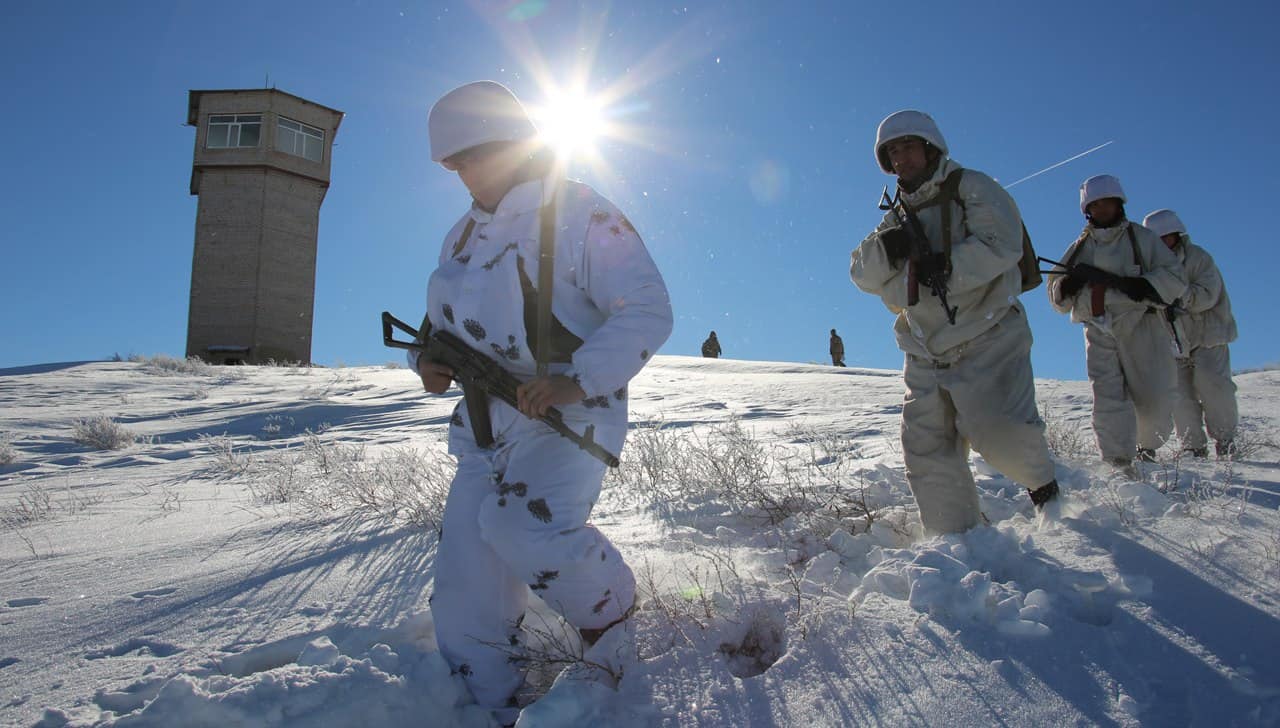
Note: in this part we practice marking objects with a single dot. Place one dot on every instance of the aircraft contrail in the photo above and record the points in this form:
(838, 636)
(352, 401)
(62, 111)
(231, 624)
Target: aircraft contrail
(1059, 164)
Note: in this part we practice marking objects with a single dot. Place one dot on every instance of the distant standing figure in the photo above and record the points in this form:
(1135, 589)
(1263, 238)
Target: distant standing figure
(837, 349)
(1204, 324)
(711, 347)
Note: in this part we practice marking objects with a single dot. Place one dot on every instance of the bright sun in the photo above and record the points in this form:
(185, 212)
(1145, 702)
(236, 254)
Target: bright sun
(570, 123)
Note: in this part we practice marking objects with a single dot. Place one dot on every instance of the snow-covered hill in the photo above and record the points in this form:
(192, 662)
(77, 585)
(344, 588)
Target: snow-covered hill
(259, 553)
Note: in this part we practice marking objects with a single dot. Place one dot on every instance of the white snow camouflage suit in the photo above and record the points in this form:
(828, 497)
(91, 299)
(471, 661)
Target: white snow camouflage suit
(1129, 352)
(1206, 394)
(968, 384)
(516, 516)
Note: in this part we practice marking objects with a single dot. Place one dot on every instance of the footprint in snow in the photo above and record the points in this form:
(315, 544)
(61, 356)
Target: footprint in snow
(26, 602)
(136, 647)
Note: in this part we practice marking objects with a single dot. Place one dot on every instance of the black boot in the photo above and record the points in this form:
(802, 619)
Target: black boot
(1044, 494)
(1197, 452)
(1146, 455)
(1226, 449)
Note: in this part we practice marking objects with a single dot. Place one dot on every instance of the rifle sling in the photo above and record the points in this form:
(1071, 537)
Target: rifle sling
(1133, 243)
(948, 192)
(546, 278)
(477, 401)
(462, 240)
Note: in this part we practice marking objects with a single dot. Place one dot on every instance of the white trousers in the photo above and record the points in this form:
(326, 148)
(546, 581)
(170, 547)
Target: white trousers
(985, 397)
(1134, 386)
(1206, 397)
(516, 520)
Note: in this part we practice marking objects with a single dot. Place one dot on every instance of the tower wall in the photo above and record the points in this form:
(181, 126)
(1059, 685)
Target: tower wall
(257, 227)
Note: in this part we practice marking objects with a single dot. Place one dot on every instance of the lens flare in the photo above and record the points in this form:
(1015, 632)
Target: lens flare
(584, 128)
(570, 123)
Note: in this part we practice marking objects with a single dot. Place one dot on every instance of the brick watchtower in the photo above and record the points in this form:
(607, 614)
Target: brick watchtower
(261, 170)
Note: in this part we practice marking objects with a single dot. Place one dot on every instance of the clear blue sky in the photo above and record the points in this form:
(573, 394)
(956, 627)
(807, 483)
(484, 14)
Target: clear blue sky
(756, 181)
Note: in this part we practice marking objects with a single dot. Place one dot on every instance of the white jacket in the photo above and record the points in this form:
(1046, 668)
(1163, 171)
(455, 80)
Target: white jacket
(608, 292)
(1208, 320)
(1111, 250)
(985, 279)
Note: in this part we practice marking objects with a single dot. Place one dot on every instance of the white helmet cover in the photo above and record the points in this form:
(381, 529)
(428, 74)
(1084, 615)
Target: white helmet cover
(474, 114)
(1164, 222)
(906, 123)
(1099, 187)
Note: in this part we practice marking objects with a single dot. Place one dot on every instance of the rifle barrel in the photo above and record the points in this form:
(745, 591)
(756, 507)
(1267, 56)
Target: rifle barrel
(1063, 266)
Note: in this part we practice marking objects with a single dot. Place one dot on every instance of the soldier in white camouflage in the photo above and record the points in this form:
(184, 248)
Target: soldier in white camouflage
(1118, 279)
(1205, 326)
(517, 516)
(969, 380)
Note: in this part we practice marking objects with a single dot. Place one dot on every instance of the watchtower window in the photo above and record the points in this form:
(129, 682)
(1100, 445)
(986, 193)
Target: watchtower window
(234, 130)
(298, 139)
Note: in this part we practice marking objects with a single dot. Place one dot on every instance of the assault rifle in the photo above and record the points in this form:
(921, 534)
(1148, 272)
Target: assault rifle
(1099, 279)
(1171, 314)
(918, 249)
(1089, 273)
(482, 378)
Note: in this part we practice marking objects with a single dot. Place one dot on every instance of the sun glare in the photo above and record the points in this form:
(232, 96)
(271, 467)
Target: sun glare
(571, 123)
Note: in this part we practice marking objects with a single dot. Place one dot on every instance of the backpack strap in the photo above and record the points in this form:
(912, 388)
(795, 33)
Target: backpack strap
(1133, 243)
(948, 192)
(462, 240)
(1076, 248)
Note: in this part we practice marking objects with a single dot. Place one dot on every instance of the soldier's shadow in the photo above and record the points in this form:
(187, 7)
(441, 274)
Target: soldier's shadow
(1188, 652)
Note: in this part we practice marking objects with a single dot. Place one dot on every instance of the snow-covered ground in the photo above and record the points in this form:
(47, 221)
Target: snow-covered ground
(261, 555)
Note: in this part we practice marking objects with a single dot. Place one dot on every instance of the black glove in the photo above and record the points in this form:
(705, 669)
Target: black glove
(931, 267)
(897, 244)
(1095, 275)
(1138, 288)
(1083, 273)
(1071, 284)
